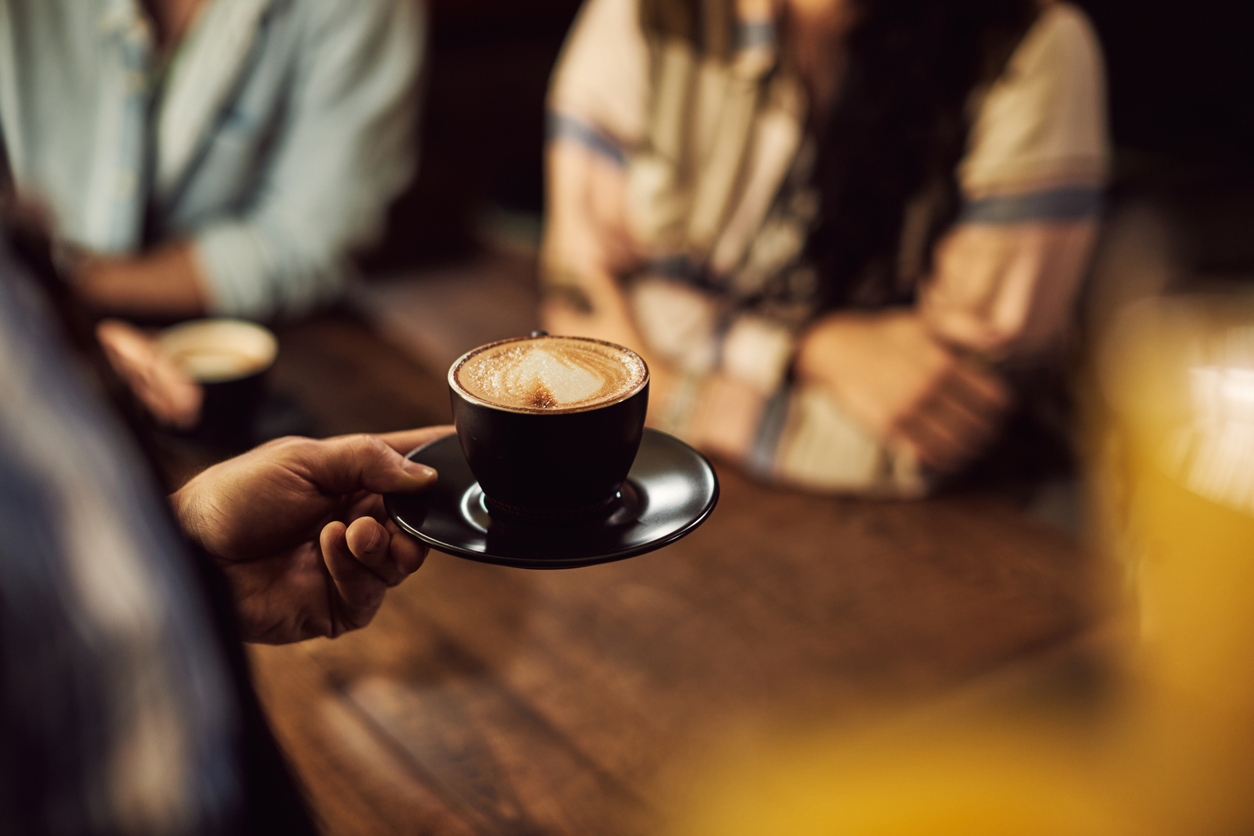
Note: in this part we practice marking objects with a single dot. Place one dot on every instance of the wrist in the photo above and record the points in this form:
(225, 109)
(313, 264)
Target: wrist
(164, 283)
(92, 275)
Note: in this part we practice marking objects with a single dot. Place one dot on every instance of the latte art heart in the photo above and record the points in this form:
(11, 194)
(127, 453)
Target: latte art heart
(550, 382)
(550, 373)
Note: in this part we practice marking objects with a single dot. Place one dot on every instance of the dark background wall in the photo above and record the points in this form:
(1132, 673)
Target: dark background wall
(483, 123)
(1181, 81)
(1181, 75)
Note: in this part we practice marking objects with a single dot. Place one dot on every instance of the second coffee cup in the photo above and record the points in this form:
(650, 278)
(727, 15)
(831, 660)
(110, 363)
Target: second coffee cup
(550, 426)
(229, 358)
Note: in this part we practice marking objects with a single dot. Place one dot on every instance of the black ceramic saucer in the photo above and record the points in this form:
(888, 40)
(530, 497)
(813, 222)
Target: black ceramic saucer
(670, 491)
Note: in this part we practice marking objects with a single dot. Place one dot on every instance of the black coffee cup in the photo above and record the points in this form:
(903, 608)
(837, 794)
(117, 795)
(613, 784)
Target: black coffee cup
(229, 359)
(549, 466)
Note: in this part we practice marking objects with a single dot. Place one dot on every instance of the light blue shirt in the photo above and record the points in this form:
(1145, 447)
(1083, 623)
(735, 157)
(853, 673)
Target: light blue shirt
(274, 141)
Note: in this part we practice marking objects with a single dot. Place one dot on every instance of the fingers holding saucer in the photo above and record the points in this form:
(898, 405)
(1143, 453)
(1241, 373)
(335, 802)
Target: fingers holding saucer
(407, 553)
(357, 589)
(384, 549)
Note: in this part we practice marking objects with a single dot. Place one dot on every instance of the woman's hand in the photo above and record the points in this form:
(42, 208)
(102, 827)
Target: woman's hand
(903, 384)
(299, 529)
(161, 386)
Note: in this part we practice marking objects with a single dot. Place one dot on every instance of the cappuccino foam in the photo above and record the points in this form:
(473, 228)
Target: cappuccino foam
(212, 364)
(218, 350)
(550, 373)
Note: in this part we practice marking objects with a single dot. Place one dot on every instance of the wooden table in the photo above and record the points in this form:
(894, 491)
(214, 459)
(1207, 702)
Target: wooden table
(486, 700)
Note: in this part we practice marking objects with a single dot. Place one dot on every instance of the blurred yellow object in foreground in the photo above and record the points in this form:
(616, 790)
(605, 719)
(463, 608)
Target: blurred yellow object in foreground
(1179, 378)
(1178, 475)
(1173, 752)
(962, 778)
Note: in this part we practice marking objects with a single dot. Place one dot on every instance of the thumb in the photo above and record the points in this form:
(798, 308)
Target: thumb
(352, 463)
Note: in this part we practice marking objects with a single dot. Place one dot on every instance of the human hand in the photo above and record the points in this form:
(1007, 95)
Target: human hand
(156, 380)
(906, 386)
(299, 529)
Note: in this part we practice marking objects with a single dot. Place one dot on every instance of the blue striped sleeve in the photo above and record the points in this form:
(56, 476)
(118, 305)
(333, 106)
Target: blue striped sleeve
(761, 458)
(1070, 203)
(561, 126)
(752, 34)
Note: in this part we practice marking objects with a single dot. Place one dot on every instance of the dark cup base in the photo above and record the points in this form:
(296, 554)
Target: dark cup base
(539, 517)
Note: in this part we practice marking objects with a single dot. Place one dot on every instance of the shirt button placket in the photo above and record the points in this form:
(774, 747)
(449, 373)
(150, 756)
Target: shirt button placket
(133, 137)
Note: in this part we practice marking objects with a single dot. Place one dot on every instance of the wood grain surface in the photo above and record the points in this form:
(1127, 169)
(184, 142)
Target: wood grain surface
(488, 700)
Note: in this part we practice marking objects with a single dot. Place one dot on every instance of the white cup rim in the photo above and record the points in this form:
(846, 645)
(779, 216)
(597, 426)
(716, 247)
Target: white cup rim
(249, 338)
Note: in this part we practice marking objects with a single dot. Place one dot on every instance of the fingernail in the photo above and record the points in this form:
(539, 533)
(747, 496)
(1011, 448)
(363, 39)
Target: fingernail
(372, 540)
(420, 470)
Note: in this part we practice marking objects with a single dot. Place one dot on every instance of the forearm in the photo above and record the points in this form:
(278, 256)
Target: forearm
(165, 282)
(839, 339)
(1008, 291)
(272, 264)
(892, 374)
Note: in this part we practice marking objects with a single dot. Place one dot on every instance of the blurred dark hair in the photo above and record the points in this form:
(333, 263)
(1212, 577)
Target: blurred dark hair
(272, 801)
(29, 242)
(897, 130)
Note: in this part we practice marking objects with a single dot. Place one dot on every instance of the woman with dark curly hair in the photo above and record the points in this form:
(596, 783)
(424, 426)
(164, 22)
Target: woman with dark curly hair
(836, 229)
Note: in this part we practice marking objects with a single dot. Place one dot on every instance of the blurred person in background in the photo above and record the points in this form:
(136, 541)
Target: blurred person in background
(125, 703)
(842, 232)
(209, 156)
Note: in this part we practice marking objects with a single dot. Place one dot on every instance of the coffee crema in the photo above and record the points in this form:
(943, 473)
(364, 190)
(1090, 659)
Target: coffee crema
(211, 364)
(218, 350)
(545, 374)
